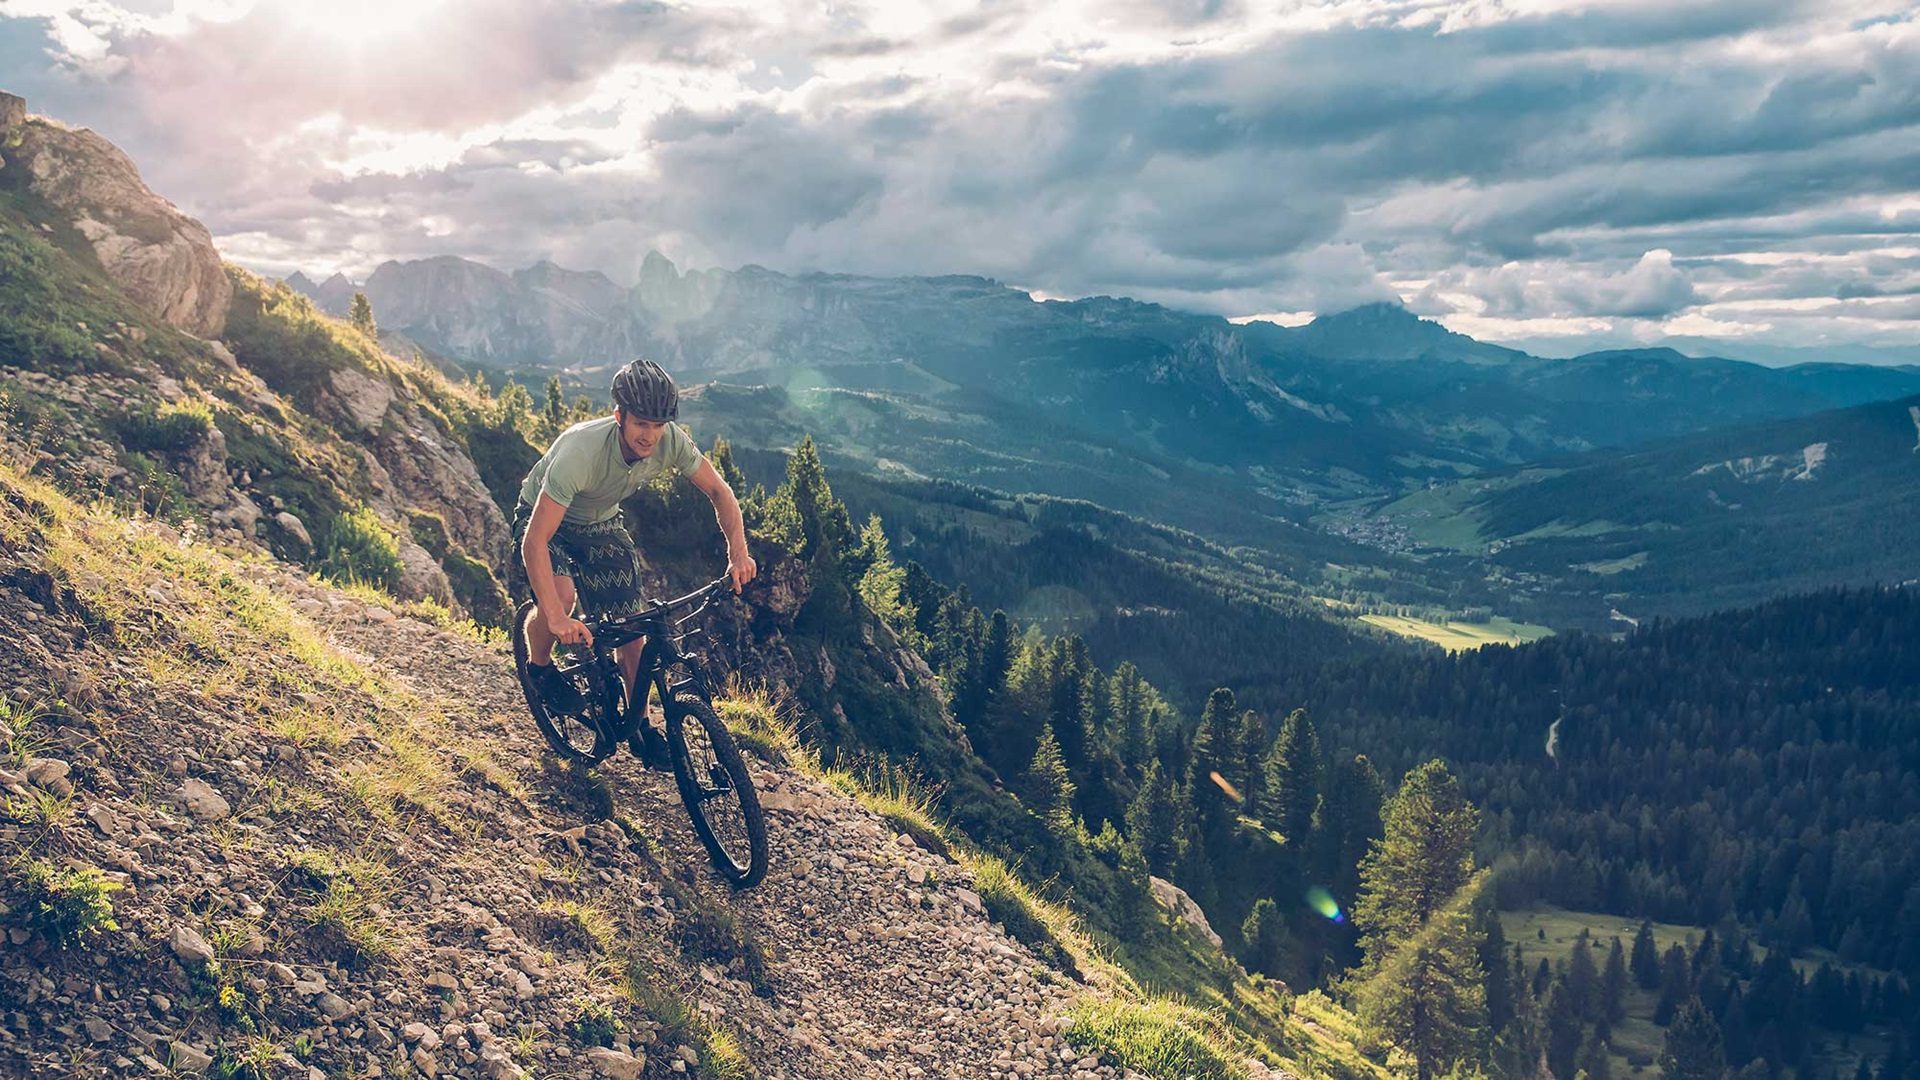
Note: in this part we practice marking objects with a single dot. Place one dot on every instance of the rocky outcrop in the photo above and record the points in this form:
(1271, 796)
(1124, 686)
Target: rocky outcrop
(161, 258)
(1178, 903)
(13, 110)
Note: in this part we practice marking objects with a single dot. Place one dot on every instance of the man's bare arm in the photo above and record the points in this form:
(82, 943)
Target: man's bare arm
(545, 521)
(726, 511)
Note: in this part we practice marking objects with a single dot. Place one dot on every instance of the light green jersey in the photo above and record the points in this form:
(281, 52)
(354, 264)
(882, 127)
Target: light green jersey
(585, 471)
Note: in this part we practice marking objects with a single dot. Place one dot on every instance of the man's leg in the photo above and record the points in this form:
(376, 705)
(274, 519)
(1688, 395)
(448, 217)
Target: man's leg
(539, 639)
(629, 657)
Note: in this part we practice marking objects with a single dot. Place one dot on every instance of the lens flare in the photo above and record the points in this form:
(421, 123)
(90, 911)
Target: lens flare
(1323, 902)
(1226, 786)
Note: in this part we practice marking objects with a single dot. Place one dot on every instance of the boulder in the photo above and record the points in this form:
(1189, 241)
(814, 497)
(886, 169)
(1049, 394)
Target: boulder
(1175, 899)
(204, 803)
(189, 946)
(161, 258)
(295, 528)
(363, 398)
(421, 577)
(615, 1065)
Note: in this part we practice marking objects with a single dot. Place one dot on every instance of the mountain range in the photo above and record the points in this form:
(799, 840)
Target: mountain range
(1279, 442)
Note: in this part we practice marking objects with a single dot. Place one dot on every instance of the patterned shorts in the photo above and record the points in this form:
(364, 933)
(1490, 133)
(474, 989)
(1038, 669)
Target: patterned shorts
(600, 558)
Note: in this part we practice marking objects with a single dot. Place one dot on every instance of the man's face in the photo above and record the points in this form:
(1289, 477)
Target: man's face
(641, 436)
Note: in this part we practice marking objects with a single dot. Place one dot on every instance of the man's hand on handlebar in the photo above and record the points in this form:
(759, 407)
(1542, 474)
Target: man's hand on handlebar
(570, 631)
(741, 568)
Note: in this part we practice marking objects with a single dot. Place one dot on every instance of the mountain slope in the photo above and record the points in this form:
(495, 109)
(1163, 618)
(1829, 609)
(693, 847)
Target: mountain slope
(401, 881)
(1707, 521)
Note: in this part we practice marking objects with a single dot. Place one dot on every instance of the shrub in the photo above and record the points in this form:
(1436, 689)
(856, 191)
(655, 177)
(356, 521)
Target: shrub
(357, 549)
(594, 1026)
(173, 428)
(66, 905)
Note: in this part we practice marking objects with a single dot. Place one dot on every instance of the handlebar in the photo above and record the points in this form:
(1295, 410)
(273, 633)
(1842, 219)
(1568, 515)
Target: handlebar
(660, 608)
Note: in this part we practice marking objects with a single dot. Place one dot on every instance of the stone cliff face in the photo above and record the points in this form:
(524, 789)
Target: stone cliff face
(164, 260)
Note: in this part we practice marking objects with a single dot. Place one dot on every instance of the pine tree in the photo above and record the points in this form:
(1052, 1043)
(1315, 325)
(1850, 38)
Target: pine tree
(1050, 786)
(1493, 960)
(1594, 1060)
(1563, 1032)
(1428, 995)
(1264, 934)
(1130, 712)
(1292, 780)
(803, 515)
(1676, 984)
(361, 316)
(1250, 743)
(1517, 1049)
(556, 406)
(1069, 698)
(723, 463)
(1613, 985)
(1424, 856)
(882, 583)
(1153, 821)
(1214, 809)
(1693, 1049)
(1646, 957)
(1583, 979)
(1423, 988)
(1347, 824)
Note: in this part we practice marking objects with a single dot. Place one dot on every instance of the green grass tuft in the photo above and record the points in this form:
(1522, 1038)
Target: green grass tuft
(1159, 1038)
(65, 905)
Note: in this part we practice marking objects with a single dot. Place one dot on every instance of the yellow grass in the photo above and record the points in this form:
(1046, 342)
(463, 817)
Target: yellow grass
(1459, 636)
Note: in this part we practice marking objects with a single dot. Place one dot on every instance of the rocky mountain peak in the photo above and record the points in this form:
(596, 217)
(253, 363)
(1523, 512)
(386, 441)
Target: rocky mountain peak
(13, 110)
(1386, 330)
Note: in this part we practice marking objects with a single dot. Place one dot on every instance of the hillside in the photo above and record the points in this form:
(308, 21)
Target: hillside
(348, 809)
(1693, 524)
(287, 430)
(1758, 765)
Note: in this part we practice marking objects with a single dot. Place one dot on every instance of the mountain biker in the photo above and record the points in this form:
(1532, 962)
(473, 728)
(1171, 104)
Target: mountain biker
(570, 531)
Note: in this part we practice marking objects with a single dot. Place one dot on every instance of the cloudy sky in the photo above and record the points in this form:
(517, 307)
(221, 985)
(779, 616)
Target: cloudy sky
(1558, 173)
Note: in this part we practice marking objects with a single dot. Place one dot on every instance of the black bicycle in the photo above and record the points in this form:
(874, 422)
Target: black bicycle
(707, 766)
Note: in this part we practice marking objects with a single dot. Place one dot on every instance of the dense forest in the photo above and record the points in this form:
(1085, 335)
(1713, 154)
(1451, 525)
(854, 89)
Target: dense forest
(1760, 764)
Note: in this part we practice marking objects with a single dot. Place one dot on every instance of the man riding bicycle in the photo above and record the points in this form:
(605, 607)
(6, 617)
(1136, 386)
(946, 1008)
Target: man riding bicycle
(571, 535)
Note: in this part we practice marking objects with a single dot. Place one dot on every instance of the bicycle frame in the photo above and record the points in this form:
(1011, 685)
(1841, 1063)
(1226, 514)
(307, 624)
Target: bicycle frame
(661, 653)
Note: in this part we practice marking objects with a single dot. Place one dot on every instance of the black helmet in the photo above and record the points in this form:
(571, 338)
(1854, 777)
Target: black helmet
(644, 389)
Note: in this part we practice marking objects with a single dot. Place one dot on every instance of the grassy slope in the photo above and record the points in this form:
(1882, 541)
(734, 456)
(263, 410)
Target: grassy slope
(1167, 978)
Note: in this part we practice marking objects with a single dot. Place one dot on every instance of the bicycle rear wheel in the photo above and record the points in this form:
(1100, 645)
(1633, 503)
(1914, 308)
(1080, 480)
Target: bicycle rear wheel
(569, 734)
(717, 790)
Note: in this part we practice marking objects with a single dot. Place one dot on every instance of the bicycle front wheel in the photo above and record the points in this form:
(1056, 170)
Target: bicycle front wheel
(717, 790)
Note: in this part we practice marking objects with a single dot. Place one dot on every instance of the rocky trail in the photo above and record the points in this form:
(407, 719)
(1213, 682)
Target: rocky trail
(538, 900)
